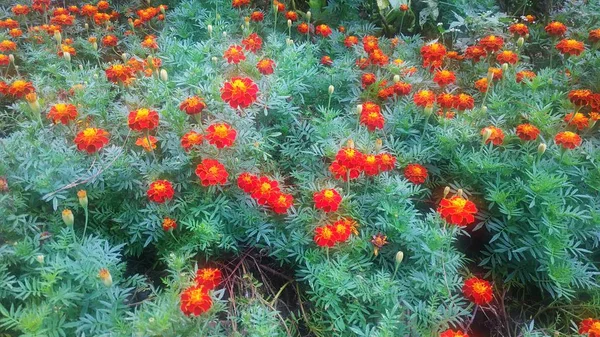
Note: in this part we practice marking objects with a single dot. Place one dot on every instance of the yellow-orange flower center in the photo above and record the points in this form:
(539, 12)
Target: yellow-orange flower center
(328, 194)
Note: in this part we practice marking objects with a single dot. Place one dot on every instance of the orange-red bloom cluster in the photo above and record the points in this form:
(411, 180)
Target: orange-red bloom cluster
(433, 55)
(491, 43)
(477, 290)
(496, 135)
(415, 173)
(62, 113)
(349, 163)
(444, 77)
(91, 139)
(339, 231)
(266, 192)
(192, 105)
(323, 30)
(527, 132)
(328, 200)
(265, 66)
(211, 172)
(143, 119)
(567, 139)
(556, 28)
(252, 43)
(452, 333)
(196, 299)
(570, 47)
(590, 327)
(220, 135)
(457, 211)
(160, 191)
(239, 92)
(234, 54)
(371, 116)
(191, 139)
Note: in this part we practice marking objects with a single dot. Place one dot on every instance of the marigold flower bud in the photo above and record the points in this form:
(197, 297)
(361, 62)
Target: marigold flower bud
(541, 148)
(163, 75)
(224, 34)
(67, 56)
(33, 102)
(396, 78)
(399, 257)
(331, 88)
(487, 134)
(11, 58)
(95, 45)
(130, 22)
(86, 26)
(40, 258)
(289, 42)
(520, 42)
(57, 36)
(218, 16)
(67, 217)
(527, 36)
(490, 76)
(446, 191)
(308, 15)
(124, 57)
(350, 143)
(210, 29)
(428, 110)
(289, 23)
(484, 109)
(359, 109)
(83, 199)
(214, 59)
(504, 66)
(105, 276)
(378, 144)
(459, 192)
(81, 67)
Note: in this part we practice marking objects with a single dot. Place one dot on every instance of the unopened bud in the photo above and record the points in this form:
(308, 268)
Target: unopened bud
(446, 191)
(67, 217)
(86, 26)
(124, 57)
(105, 276)
(490, 76)
(359, 109)
(210, 29)
(67, 56)
(57, 36)
(130, 22)
(162, 9)
(520, 42)
(378, 144)
(246, 19)
(289, 42)
(218, 16)
(95, 45)
(399, 257)
(459, 192)
(484, 109)
(527, 36)
(81, 67)
(308, 15)
(541, 148)
(396, 78)
(504, 66)
(83, 199)
(289, 22)
(163, 75)
(350, 143)
(428, 110)
(331, 88)
(224, 34)
(214, 59)
(487, 133)
(11, 58)
(40, 258)
(150, 61)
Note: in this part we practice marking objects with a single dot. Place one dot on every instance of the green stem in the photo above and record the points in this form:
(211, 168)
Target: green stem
(86, 222)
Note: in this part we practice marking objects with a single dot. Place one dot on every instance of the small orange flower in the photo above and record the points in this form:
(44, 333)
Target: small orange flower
(265, 66)
(378, 241)
(169, 224)
(570, 47)
(239, 3)
(150, 42)
(525, 74)
(292, 16)
(239, 92)
(234, 54)
(590, 327)
(370, 165)
(143, 119)
(20, 9)
(579, 120)
(457, 211)
(7, 45)
(387, 162)
(444, 77)
(452, 333)
(446, 100)
(281, 202)
(404, 7)
(89, 10)
(326, 61)
(580, 97)
(370, 43)
(340, 171)
(191, 139)
(303, 28)
(221, 135)
(371, 116)
(257, 16)
(15, 32)
(62, 113)
(454, 56)
(594, 35)
(402, 88)
(362, 62)
(463, 102)
(478, 291)
(192, 105)
(265, 190)
(415, 173)
(160, 191)
(148, 143)
(101, 18)
(527, 132)
(556, 28)
(491, 43)
(496, 137)
(482, 85)
(65, 48)
(325, 236)
(378, 57)
(349, 157)
(210, 278)
(195, 300)
(433, 53)
(252, 43)
(323, 30)
(20, 88)
(211, 172)
(350, 41)
(424, 98)
(328, 200)
(567, 139)
(367, 79)
(4, 60)
(110, 41)
(119, 73)
(507, 56)
(247, 182)
(91, 140)
(475, 53)
(520, 29)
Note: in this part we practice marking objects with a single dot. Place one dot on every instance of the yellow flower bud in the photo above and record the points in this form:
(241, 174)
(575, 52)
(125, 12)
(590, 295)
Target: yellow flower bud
(446, 191)
(396, 78)
(359, 109)
(350, 143)
(105, 276)
(331, 88)
(399, 257)
(504, 66)
(40, 258)
(487, 133)
(83, 199)
(67, 217)
(541, 149)
(163, 75)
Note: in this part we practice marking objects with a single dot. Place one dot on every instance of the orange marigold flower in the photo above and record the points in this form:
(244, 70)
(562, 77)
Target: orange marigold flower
(65, 48)
(454, 55)
(433, 51)
(415, 173)
(378, 57)
(280, 6)
(328, 200)
(350, 41)
(63, 19)
(370, 43)
(326, 61)
(529, 18)
(150, 42)
(477, 290)
(496, 72)
(507, 56)
(444, 77)
(265, 66)
(387, 162)
(567, 139)
(239, 3)
(424, 98)
(590, 327)
(402, 88)
(20, 9)
(491, 43)
(367, 79)
(101, 18)
(4, 60)
(323, 30)
(160, 191)
(580, 97)
(88, 10)
(378, 241)
(371, 116)
(239, 92)
(192, 105)
(404, 7)
(594, 116)
(362, 62)
(350, 157)
(169, 224)
(195, 300)
(210, 278)
(20, 88)
(303, 28)
(525, 74)
(457, 211)
(463, 102)
(234, 54)
(257, 16)
(265, 190)
(9, 23)
(119, 73)
(221, 135)
(325, 236)
(191, 139)
(452, 333)
(143, 119)
(594, 35)
(496, 137)
(570, 47)
(342, 229)
(291, 15)
(475, 53)
(520, 29)
(482, 85)
(370, 165)
(91, 140)
(73, 9)
(103, 5)
(3, 184)
(7, 45)
(211, 172)
(556, 28)
(446, 100)
(15, 32)
(110, 41)
(340, 171)
(62, 113)
(148, 143)
(252, 43)
(527, 132)
(281, 202)
(247, 182)
(579, 120)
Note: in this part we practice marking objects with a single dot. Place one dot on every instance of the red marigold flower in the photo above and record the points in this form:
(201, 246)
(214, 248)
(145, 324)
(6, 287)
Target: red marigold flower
(478, 291)
(507, 56)
(110, 41)
(64, 48)
(281, 202)
(73, 9)
(454, 55)
(433, 51)
(20, 9)
(280, 6)
(15, 32)
(370, 165)
(7, 45)
(192, 105)
(527, 132)
(195, 300)
(482, 85)
(101, 18)
(387, 162)
(446, 100)
(424, 98)
(371, 116)
(148, 143)
(378, 241)
(257, 16)
(363, 62)
(20, 88)
(529, 18)
(119, 73)
(590, 327)
(570, 47)
(62, 113)
(520, 29)
(326, 61)
(328, 200)
(150, 42)
(323, 30)
(252, 43)
(340, 171)
(404, 7)
(367, 79)
(143, 119)
(265, 190)
(457, 211)
(580, 97)
(265, 66)
(594, 35)
(385, 93)
(247, 182)
(291, 15)
(342, 229)
(415, 173)
(370, 43)
(160, 191)
(444, 77)
(239, 92)
(234, 54)
(91, 140)
(491, 43)
(452, 333)
(325, 236)
(496, 72)
(567, 139)
(378, 57)
(579, 120)
(9, 24)
(211, 172)
(191, 139)
(463, 102)
(63, 19)
(4, 60)
(209, 278)
(556, 28)
(221, 135)
(496, 135)
(349, 157)
(402, 88)
(239, 3)
(169, 224)
(350, 41)
(103, 5)
(525, 74)
(303, 28)
(475, 53)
